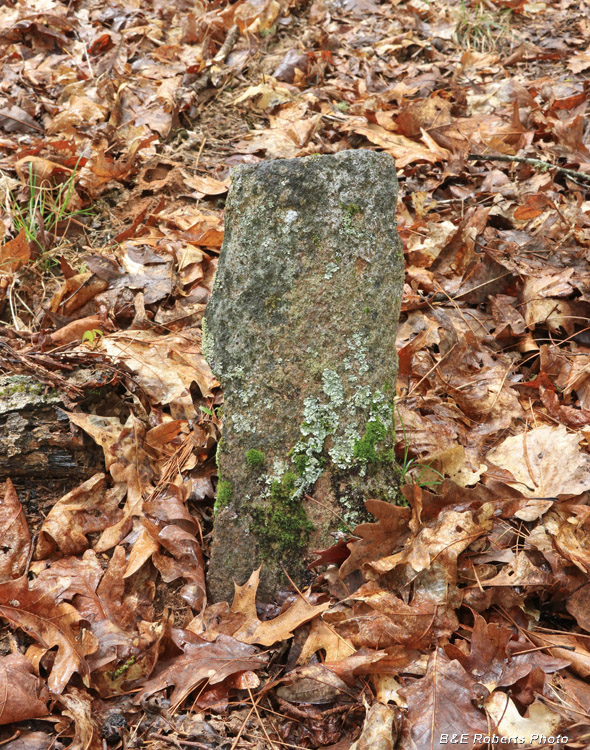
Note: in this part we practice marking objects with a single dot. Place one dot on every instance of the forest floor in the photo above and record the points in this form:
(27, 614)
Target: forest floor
(461, 615)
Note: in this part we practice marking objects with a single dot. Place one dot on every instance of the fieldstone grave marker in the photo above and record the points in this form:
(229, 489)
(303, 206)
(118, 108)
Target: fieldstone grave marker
(300, 330)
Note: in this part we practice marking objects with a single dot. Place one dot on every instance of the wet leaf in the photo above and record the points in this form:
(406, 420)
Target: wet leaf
(51, 625)
(201, 662)
(440, 703)
(77, 705)
(86, 509)
(25, 696)
(16, 538)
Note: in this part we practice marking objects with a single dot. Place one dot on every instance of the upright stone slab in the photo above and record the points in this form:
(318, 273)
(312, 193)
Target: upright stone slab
(300, 330)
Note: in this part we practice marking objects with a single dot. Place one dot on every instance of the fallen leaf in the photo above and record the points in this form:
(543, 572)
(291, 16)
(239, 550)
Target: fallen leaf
(387, 689)
(579, 61)
(201, 662)
(75, 330)
(402, 622)
(76, 292)
(257, 15)
(313, 684)
(14, 253)
(539, 722)
(185, 560)
(267, 95)
(575, 649)
(403, 149)
(15, 535)
(86, 509)
(545, 462)
(253, 630)
(323, 637)
(494, 659)
(72, 578)
(105, 431)
(143, 548)
(380, 730)
(164, 365)
(425, 244)
(24, 695)
(521, 572)
(14, 119)
(440, 703)
(205, 185)
(77, 704)
(441, 540)
(77, 111)
(50, 625)
(377, 539)
(578, 605)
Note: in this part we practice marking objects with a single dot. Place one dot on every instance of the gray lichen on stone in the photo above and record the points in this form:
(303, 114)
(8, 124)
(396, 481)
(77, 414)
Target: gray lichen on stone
(300, 330)
(331, 269)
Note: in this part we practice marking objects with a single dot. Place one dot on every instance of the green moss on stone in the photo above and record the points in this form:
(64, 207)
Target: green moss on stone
(225, 493)
(220, 448)
(301, 461)
(365, 448)
(254, 458)
(282, 524)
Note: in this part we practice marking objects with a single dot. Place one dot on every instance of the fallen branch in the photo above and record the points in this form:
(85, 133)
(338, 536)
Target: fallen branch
(206, 77)
(230, 42)
(532, 162)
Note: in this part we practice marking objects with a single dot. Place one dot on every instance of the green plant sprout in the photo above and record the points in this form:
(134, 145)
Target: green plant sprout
(481, 29)
(407, 464)
(46, 208)
(92, 335)
(214, 412)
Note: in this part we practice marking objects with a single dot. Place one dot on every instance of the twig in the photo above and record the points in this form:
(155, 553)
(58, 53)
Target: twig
(197, 164)
(176, 740)
(13, 737)
(32, 125)
(241, 730)
(540, 648)
(532, 162)
(254, 704)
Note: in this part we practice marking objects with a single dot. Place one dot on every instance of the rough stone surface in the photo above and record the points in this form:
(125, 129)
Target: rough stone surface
(300, 330)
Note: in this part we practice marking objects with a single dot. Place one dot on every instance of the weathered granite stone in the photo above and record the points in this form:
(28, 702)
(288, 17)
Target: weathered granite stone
(300, 330)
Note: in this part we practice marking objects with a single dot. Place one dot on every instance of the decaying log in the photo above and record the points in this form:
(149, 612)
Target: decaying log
(36, 438)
